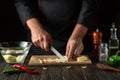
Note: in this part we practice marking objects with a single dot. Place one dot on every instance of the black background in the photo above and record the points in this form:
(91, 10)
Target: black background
(11, 28)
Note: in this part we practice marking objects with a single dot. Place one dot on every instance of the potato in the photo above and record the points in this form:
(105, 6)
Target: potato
(82, 58)
(9, 58)
(11, 51)
(20, 58)
(66, 57)
(49, 60)
(40, 61)
(57, 60)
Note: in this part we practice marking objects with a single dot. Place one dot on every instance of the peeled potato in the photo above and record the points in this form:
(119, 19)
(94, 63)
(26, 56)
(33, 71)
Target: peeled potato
(12, 51)
(9, 58)
(49, 60)
(40, 61)
(44, 61)
(20, 58)
(82, 58)
(18, 51)
(57, 60)
(66, 57)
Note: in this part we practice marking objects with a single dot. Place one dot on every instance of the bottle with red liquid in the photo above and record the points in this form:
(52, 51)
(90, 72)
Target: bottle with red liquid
(97, 40)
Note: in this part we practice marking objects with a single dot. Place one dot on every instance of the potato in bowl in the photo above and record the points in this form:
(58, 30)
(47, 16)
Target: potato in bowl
(15, 51)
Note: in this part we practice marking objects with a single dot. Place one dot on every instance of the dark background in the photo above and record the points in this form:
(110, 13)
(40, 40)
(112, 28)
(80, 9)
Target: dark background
(11, 28)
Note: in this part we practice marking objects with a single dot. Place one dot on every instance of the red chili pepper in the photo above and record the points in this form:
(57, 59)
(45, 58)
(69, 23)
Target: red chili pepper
(23, 68)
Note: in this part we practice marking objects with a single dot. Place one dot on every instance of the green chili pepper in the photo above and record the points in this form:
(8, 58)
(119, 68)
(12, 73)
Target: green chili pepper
(114, 60)
(10, 71)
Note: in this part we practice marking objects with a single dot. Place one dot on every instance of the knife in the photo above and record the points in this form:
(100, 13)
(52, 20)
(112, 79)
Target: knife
(62, 58)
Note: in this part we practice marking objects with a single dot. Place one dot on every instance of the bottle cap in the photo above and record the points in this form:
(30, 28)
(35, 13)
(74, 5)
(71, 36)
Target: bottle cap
(97, 36)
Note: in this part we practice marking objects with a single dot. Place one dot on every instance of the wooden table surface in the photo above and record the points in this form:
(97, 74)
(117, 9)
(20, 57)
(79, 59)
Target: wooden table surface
(78, 72)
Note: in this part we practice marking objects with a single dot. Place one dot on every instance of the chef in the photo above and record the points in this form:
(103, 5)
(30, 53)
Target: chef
(60, 23)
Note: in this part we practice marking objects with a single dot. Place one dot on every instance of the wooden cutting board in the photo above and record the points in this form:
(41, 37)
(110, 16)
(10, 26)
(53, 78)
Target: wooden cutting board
(35, 61)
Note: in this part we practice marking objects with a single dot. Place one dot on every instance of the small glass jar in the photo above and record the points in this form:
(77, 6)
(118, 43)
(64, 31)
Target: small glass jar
(103, 52)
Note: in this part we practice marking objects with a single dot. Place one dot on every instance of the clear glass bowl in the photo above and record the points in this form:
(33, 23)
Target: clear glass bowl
(15, 52)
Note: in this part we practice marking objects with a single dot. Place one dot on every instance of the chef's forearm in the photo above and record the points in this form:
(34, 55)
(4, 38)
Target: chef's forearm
(34, 23)
(79, 31)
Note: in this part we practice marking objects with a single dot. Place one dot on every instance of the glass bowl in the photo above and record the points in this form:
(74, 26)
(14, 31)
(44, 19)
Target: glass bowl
(15, 52)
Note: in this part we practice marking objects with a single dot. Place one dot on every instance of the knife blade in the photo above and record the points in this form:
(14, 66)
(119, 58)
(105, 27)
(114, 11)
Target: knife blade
(62, 58)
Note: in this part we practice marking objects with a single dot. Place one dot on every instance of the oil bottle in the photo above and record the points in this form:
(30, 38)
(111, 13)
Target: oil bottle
(113, 41)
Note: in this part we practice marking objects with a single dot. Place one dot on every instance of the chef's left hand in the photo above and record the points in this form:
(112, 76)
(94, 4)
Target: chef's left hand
(74, 48)
(75, 45)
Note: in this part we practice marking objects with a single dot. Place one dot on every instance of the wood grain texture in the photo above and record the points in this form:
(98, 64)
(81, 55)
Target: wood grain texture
(60, 72)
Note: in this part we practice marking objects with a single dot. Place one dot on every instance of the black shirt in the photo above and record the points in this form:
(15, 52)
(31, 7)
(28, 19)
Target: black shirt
(59, 16)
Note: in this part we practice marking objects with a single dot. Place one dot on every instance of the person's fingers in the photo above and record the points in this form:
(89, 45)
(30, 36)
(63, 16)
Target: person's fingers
(78, 51)
(67, 50)
(46, 44)
(41, 43)
(38, 42)
(71, 52)
(34, 42)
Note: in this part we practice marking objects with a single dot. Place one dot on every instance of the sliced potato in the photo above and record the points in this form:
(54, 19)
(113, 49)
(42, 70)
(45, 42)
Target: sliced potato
(40, 61)
(49, 60)
(66, 57)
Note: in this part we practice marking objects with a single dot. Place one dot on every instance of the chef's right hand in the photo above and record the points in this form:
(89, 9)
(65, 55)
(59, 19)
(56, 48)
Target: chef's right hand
(40, 37)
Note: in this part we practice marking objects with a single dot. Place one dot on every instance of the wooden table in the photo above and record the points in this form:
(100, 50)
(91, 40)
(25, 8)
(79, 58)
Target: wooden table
(78, 72)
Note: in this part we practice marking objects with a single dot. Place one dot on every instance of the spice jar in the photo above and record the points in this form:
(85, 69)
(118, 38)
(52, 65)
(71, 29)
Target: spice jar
(103, 53)
(97, 39)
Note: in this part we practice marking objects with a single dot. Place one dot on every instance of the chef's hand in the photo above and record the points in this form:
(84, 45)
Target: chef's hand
(75, 45)
(40, 37)
(74, 48)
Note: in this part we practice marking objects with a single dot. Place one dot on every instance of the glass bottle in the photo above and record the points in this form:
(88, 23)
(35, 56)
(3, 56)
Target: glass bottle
(113, 41)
